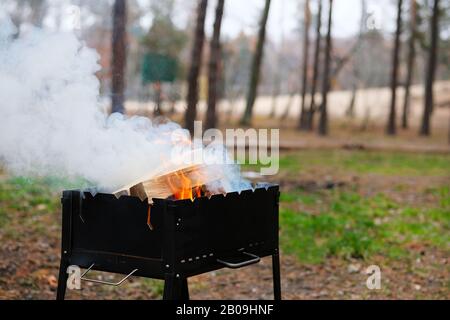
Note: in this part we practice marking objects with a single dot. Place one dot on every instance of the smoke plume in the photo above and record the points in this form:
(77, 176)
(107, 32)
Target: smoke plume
(52, 122)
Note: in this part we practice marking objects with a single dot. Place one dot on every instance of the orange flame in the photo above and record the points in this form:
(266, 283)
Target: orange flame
(182, 187)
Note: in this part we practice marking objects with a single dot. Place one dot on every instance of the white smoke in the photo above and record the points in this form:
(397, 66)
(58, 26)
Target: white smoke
(52, 123)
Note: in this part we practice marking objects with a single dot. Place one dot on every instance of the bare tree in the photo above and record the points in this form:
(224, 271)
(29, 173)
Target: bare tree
(391, 126)
(312, 106)
(214, 59)
(276, 88)
(157, 88)
(277, 80)
(118, 62)
(410, 62)
(307, 22)
(350, 112)
(38, 11)
(340, 61)
(196, 60)
(288, 106)
(323, 120)
(431, 70)
(31, 11)
(278, 72)
(256, 66)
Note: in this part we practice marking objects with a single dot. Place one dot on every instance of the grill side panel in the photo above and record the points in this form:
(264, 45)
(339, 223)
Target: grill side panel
(210, 228)
(105, 224)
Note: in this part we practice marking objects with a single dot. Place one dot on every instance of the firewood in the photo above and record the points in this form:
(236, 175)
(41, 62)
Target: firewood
(138, 190)
(163, 186)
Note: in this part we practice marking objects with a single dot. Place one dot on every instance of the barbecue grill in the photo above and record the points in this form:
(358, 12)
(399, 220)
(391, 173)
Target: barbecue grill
(170, 239)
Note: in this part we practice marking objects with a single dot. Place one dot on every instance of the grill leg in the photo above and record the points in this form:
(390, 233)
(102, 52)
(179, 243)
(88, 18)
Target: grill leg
(276, 276)
(175, 288)
(184, 289)
(62, 281)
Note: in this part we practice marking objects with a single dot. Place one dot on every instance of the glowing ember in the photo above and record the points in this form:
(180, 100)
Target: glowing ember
(182, 187)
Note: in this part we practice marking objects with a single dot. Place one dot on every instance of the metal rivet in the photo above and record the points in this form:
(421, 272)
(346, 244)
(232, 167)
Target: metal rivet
(167, 266)
(65, 252)
(177, 275)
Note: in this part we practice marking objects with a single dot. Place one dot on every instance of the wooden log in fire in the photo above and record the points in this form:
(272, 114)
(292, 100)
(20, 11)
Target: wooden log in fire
(173, 183)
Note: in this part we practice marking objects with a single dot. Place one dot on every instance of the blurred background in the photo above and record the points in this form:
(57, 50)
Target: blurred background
(360, 90)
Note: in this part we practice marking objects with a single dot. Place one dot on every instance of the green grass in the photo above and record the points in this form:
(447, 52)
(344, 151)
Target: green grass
(384, 163)
(4, 218)
(353, 226)
(22, 193)
(305, 198)
(27, 203)
(342, 223)
(154, 285)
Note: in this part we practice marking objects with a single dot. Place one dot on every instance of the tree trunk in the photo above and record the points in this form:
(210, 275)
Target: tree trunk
(214, 59)
(285, 114)
(118, 63)
(256, 66)
(196, 61)
(342, 61)
(38, 12)
(276, 85)
(431, 70)
(275, 94)
(312, 106)
(157, 87)
(303, 116)
(279, 67)
(391, 126)
(323, 120)
(350, 112)
(410, 63)
(172, 99)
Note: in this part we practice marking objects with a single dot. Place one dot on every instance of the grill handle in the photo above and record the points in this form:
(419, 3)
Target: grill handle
(115, 284)
(235, 265)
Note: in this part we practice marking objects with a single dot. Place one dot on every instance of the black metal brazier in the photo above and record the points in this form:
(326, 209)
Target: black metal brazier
(171, 240)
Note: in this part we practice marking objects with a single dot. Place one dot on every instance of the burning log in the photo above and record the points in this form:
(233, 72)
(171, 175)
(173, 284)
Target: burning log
(138, 190)
(185, 183)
